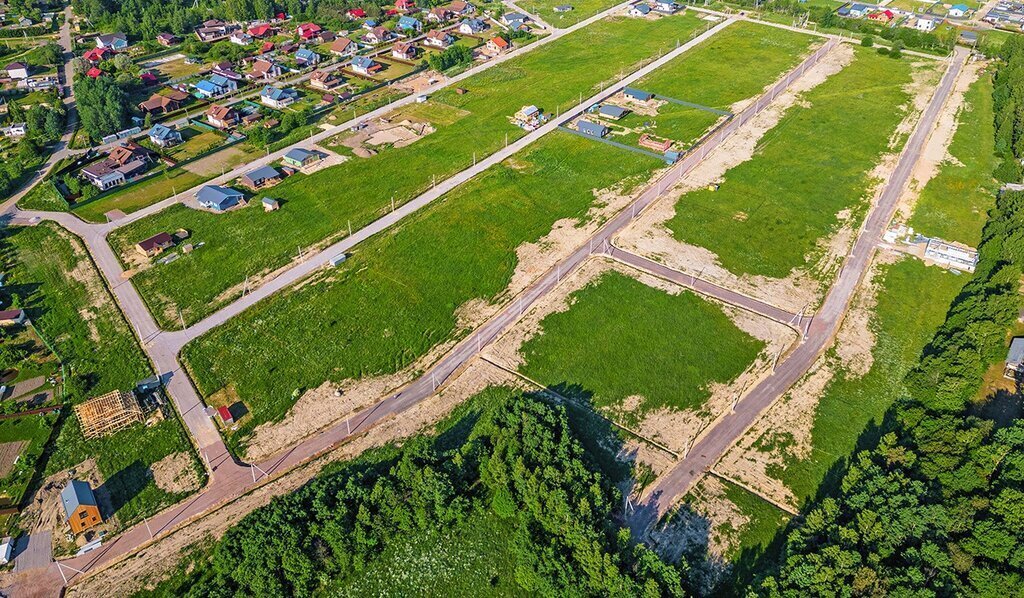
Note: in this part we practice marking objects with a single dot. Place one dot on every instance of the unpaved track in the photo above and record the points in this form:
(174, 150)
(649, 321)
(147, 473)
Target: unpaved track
(824, 325)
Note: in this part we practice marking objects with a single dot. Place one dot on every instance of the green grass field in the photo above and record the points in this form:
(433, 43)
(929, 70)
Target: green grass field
(622, 338)
(64, 295)
(396, 297)
(849, 406)
(770, 211)
(34, 429)
(954, 204)
(734, 65)
(582, 10)
(318, 207)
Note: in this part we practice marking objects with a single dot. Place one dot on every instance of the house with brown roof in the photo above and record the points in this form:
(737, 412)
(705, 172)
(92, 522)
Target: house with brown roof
(155, 245)
(439, 14)
(379, 35)
(265, 70)
(439, 39)
(122, 164)
(222, 117)
(343, 46)
(160, 104)
(324, 80)
(498, 45)
(461, 8)
(167, 39)
(404, 51)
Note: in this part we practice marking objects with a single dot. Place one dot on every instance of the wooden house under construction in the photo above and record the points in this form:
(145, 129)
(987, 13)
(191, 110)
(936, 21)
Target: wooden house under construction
(108, 413)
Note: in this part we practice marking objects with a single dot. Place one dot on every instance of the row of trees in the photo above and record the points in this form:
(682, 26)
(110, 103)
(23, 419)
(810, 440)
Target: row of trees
(1008, 102)
(450, 58)
(44, 124)
(103, 106)
(520, 461)
(937, 507)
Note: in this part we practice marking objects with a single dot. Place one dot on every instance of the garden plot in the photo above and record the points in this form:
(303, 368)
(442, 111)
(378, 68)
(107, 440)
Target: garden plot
(403, 298)
(773, 210)
(788, 452)
(318, 209)
(660, 360)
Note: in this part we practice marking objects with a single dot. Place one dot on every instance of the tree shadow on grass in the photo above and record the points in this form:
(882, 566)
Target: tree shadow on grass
(125, 485)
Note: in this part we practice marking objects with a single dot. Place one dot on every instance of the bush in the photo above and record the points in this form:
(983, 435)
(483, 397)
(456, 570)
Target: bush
(867, 42)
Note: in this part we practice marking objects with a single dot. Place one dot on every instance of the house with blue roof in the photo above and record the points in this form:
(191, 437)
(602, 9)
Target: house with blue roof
(639, 10)
(859, 10)
(164, 136)
(300, 158)
(81, 510)
(592, 129)
(407, 23)
(364, 65)
(472, 26)
(278, 98)
(215, 197)
(306, 57)
(216, 85)
(958, 10)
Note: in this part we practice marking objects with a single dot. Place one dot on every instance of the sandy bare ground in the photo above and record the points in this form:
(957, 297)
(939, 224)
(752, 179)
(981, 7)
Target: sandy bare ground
(175, 473)
(420, 82)
(726, 521)
(672, 428)
(318, 408)
(217, 162)
(151, 564)
(784, 431)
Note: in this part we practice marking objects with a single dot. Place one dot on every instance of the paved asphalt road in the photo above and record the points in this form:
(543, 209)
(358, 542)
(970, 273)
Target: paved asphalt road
(705, 453)
(706, 288)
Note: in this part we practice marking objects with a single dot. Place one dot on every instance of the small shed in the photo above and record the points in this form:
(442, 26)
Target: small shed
(6, 547)
(148, 384)
(12, 317)
(592, 129)
(638, 94)
(81, 510)
(225, 415)
(270, 204)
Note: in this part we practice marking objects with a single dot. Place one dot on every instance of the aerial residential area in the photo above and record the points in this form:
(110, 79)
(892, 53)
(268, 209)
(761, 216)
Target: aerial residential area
(515, 297)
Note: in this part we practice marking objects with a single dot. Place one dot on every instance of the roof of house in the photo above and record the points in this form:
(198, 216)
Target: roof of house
(216, 195)
(357, 13)
(474, 24)
(76, 494)
(590, 128)
(207, 86)
(11, 314)
(220, 80)
(95, 54)
(408, 21)
(859, 7)
(341, 44)
(260, 30)
(438, 34)
(362, 62)
(111, 38)
(306, 54)
(322, 76)
(15, 65)
(500, 42)
(403, 47)
(270, 201)
(458, 5)
(262, 67)
(156, 241)
(94, 72)
(148, 77)
(1016, 352)
(276, 93)
(167, 36)
(261, 173)
(298, 154)
(642, 8)
(225, 413)
(309, 27)
(163, 132)
(219, 112)
(613, 111)
(514, 16)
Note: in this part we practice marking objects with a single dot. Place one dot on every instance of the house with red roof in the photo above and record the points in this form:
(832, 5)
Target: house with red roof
(98, 54)
(93, 72)
(260, 31)
(308, 30)
(356, 13)
(883, 16)
(267, 47)
(148, 79)
(405, 5)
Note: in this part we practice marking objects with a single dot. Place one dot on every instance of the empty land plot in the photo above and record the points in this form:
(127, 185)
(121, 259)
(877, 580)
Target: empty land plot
(62, 292)
(581, 10)
(954, 204)
(770, 212)
(404, 292)
(622, 339)
(318, 208)
(729, 68)
(820, 421)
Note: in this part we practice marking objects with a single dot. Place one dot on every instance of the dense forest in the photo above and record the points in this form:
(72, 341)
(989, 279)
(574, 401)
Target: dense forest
(518, 462)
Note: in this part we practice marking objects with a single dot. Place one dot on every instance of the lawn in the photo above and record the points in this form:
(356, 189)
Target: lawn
(622, 338)
(398, 295)
(320, 206)
(176, 69)
(770, 212)
(851, 407)
(194, 143)
(756, 56)
(582, 9)
(954, 204)
(35, 431)
(65, 297)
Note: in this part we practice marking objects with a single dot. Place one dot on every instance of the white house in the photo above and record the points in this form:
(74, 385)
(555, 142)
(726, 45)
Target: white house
(17, 70)
(639, 10)
(278, 98)
(924, 24)
(439, 39)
